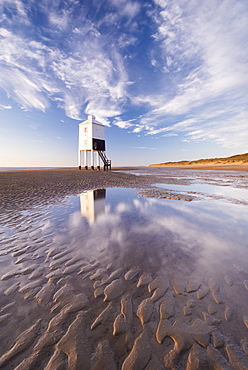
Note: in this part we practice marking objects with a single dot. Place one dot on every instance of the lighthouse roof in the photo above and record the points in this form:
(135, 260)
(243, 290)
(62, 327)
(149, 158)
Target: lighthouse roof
(91, 119)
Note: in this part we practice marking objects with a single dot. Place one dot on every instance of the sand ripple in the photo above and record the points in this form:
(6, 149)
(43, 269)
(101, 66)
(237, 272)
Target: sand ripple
(64, 307)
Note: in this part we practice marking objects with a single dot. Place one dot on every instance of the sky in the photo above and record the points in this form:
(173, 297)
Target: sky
(167, 78)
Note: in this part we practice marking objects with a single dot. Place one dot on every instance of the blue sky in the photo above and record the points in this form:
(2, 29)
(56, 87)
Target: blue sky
(169, 79)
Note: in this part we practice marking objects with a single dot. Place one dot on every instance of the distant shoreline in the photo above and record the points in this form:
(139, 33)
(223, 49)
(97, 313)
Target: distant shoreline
(226, 167)
(217, 167)
(17, 169)
(4, 169)
(238, 162)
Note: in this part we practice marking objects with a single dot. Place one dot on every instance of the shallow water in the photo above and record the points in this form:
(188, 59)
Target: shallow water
(110, 278)
(228, 192)
(220, 177)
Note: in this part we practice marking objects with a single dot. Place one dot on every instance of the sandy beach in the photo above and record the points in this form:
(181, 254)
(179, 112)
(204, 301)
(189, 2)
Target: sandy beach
(217, 167)
(95, 276)
(36, 187)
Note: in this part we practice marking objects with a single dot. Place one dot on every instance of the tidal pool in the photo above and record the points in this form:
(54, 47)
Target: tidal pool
(109, 279)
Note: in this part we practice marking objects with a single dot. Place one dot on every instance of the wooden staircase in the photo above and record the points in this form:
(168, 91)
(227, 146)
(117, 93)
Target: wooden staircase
(106, 161)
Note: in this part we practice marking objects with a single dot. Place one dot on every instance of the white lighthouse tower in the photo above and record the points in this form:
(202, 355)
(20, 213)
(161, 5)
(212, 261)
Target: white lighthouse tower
(92, 144)
(92, 204)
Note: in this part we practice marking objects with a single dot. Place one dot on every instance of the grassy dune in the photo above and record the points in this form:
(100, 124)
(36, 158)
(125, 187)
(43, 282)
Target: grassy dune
(235, 159)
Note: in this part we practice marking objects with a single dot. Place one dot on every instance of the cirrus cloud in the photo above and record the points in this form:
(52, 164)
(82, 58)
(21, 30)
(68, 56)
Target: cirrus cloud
(176, 68)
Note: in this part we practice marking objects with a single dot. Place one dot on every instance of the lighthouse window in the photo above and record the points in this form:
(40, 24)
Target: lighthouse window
(85, 129)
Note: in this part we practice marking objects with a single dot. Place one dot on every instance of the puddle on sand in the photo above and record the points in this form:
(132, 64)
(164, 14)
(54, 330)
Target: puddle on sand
(181, 176)
(110, 279)
(238, 195)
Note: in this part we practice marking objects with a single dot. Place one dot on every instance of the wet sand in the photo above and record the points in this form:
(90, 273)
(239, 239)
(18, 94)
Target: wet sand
(148, 308)
(39, 187)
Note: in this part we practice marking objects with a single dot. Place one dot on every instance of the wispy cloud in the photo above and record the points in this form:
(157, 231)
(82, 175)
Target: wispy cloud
(18, 12)
(204, 50)
(34, 125)
(3, 107)
(78, 67)
(123, 124)
(176, 68)
(143, 147)
(127, 8)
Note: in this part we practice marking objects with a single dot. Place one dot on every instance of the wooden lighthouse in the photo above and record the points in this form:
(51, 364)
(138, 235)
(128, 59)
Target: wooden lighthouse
(92, 204)
(92, 144)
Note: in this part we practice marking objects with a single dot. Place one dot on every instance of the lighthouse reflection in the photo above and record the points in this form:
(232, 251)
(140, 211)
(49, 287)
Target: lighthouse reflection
(92, 204)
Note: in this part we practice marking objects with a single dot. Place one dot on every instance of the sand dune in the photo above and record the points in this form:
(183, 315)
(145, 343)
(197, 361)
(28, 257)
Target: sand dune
(237, 162)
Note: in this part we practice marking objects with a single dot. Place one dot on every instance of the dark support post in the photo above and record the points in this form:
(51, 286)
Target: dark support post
(98, 168)
(86, 167)
(79, 167)
(92, 167)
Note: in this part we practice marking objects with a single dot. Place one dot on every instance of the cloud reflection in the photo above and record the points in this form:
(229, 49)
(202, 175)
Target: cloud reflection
(145, 231)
